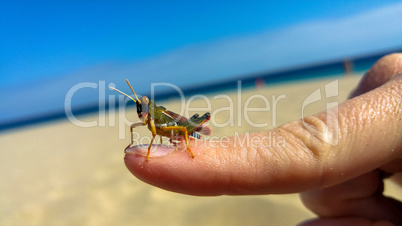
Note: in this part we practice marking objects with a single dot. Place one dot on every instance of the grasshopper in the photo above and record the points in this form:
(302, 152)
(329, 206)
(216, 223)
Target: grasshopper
(166, 123)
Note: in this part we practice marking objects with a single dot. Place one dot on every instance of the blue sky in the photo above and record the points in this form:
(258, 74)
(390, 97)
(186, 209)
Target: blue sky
(48, 46)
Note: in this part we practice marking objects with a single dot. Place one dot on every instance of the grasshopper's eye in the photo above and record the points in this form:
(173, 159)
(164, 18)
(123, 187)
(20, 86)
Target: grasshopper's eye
(139, 108)
(145, 100)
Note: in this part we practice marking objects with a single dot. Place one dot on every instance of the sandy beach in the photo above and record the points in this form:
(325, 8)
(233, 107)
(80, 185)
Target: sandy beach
(61, 174)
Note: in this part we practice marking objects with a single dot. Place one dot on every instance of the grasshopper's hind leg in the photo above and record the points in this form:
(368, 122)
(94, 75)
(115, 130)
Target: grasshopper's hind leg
(183, 129)
(153, 130)
(149, 147)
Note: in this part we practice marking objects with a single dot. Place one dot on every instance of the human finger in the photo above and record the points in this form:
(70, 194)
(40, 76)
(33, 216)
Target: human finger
(305, 161)
(361, 198)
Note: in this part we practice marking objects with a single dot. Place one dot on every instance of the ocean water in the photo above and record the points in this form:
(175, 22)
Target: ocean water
(336, 68)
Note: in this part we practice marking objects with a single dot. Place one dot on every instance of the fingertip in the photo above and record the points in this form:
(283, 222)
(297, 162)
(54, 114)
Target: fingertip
(159, 150)
(136, 157)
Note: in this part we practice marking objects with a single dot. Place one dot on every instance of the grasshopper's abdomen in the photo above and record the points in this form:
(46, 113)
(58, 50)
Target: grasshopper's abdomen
(195, 135)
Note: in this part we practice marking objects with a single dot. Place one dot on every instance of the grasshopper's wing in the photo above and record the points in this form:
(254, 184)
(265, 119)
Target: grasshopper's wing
(203, 129)
(194, 124)
(175, 117)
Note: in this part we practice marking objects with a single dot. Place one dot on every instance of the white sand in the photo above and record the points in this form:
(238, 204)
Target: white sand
(61, 174)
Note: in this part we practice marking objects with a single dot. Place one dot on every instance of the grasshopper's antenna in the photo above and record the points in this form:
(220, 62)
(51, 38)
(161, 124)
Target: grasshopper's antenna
(123, 93)
(133, 91)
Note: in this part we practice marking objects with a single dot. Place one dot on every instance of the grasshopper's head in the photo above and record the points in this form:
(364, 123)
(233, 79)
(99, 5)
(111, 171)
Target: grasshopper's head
(142, 108)
(142, 105)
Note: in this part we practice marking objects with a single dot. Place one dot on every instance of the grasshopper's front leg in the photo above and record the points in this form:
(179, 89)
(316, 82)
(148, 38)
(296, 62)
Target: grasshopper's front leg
(131, 132)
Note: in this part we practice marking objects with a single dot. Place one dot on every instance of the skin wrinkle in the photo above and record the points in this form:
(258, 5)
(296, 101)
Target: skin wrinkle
(252, 158)
(233, 183)
(282, 159)
(317, 145)
(357, 119)
(296, 153)
(252, 154)
(393, 108)
(257, 148)
(292, 136)
(305, 140)
(274, 153)
(295, 134)
(396, 100)
(351, 139)
(381, 104)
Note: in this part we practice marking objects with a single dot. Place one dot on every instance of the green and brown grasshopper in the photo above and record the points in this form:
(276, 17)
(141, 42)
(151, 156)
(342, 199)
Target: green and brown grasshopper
(166, 123)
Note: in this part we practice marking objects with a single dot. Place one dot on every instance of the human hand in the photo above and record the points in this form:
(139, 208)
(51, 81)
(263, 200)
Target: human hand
(341, 183)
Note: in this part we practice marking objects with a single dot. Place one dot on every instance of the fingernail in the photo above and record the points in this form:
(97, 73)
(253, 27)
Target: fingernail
(156, 150)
